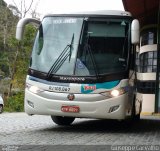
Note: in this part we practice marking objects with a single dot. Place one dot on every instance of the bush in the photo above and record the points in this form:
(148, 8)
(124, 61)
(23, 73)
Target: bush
(15, 103)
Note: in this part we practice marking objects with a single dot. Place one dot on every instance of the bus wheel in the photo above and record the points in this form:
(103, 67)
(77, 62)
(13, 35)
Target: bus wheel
(136, 117)
(60, 120)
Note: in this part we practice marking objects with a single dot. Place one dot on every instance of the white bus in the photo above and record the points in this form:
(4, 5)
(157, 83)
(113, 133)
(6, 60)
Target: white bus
(82, 66)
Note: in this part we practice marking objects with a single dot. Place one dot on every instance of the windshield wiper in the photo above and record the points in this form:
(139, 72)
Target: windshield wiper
(61, 59)
(88, 48)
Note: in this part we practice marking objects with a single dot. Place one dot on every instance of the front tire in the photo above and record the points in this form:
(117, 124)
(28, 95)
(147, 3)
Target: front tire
(136, 117)
(60, 120)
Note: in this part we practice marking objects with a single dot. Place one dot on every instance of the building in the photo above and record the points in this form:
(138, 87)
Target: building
(148, 52)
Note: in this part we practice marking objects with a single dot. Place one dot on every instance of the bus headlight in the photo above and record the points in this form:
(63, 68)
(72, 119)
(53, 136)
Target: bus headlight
(114, 93)
(33, 89)
(117, 92)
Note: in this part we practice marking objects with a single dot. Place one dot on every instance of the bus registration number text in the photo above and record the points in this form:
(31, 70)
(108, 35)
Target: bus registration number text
(59, 88)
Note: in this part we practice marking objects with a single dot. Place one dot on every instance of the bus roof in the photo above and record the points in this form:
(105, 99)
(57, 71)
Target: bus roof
(94, 13)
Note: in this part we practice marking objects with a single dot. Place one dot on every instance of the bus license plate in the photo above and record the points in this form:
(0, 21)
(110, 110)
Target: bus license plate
(73, 109)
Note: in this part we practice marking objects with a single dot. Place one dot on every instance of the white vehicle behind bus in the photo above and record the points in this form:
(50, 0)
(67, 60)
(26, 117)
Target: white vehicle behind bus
(82, 65)
(1, 104)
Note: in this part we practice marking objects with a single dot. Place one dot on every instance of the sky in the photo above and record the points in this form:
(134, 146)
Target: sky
(61, 6)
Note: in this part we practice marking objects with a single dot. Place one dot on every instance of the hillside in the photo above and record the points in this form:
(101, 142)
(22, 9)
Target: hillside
(14, 57)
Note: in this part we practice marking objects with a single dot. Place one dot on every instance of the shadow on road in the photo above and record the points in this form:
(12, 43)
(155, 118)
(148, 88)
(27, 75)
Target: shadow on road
(144, 125)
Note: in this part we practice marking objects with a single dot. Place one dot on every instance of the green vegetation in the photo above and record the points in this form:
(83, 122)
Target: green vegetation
(15, 103)
(14, 59)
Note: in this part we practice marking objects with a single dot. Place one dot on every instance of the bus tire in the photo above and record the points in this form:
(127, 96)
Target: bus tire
(61, 120)
(136, 117)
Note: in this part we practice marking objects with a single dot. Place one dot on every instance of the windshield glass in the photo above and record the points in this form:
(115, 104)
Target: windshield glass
(81, 46)
(57, 36)
(103, 47)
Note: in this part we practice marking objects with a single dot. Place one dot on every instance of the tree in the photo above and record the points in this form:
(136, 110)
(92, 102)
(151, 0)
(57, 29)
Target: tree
(18, 66)
(34, 13)
(24, 9)
(23, 58)
(14, 55)
(7, 48)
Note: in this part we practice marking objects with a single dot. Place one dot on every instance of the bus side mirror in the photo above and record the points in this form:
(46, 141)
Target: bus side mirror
(135, 32)
(21, 26)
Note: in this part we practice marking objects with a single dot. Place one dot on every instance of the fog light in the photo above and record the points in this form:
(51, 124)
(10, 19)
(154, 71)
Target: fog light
(113, 108)
(31, 104)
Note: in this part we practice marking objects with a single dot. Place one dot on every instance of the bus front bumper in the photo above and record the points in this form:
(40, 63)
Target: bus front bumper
(112, 108)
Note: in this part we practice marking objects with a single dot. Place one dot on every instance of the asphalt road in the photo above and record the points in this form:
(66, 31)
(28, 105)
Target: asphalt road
(20, 129)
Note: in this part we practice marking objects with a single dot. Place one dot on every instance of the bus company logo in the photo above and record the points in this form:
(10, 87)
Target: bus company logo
(87, 87)
(71, 97)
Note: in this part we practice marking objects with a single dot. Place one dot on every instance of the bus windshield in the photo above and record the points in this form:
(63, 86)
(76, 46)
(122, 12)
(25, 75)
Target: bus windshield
(57, 36)
(104, 47)
(80, 46)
